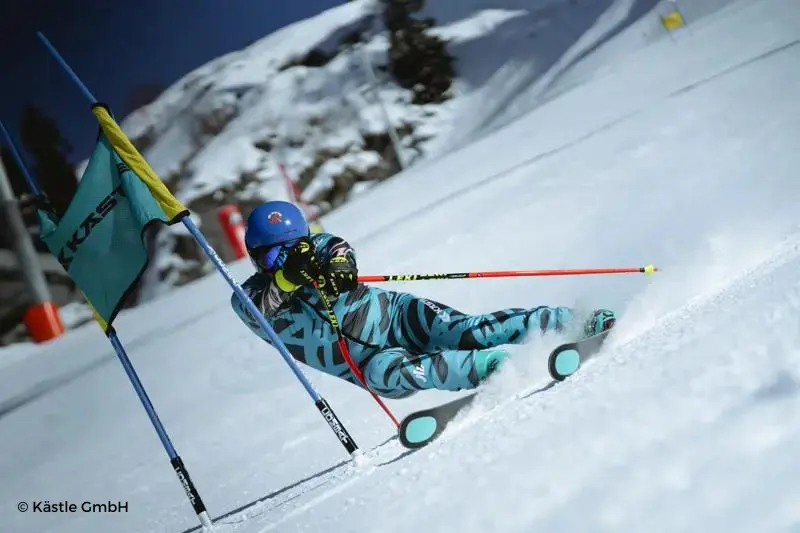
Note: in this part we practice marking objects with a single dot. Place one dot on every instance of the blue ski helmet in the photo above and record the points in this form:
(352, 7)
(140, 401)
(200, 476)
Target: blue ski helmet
(273, 223)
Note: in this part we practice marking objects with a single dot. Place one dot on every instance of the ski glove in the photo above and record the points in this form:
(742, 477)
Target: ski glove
(339, 276)
(301, 267)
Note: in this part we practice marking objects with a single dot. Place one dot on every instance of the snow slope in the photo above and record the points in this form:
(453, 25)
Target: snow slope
(678, 152)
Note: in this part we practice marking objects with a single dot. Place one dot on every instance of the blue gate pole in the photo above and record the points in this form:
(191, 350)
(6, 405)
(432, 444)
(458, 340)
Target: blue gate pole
(175, 460)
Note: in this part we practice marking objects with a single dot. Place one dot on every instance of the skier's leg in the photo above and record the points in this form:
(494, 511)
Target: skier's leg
(395, 373)
(424, 326)
(390, 373)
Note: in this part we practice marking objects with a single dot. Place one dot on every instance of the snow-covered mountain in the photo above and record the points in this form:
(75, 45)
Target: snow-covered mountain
(301, 99)
(304, 98)
(674, 149)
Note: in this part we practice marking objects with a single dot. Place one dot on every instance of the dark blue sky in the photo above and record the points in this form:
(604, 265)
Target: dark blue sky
(115, 45)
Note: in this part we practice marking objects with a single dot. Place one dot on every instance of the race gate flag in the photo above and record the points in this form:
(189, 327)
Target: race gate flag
(99, 237)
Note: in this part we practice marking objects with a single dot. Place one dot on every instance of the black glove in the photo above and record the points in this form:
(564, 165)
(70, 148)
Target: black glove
(339, 275)
(301, 266)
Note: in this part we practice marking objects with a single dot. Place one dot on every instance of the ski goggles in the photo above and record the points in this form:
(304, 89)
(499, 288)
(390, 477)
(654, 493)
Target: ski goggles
(271, 258)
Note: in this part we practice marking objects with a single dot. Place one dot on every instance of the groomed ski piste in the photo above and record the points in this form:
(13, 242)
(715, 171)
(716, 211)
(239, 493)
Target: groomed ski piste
(679, 151)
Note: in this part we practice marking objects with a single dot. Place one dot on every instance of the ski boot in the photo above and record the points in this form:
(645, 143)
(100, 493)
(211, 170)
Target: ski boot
(599, 321)
(487, 362)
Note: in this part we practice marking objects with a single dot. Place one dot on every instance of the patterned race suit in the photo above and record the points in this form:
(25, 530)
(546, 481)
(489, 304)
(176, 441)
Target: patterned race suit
(401, 343)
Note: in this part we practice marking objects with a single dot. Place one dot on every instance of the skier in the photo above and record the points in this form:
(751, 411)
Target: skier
(401, 343)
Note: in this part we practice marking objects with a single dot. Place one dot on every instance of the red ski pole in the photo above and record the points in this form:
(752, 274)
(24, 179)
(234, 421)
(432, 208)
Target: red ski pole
(648, 269)
(346, 353)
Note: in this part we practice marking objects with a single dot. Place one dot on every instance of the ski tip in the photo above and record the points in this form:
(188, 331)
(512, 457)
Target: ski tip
(420, 429)
(564, 363)
(417, 432)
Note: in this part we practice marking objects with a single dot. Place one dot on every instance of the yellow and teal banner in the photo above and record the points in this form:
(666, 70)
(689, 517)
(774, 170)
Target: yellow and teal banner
(98, 239)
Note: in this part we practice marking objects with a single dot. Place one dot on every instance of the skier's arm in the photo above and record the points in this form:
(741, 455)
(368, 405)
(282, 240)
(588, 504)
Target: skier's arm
(270, 293)
(268, 298)
(328, 245)
(338, 265)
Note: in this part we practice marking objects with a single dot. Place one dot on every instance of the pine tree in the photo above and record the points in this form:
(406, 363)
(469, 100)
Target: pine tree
(43, 140)
(417, 60)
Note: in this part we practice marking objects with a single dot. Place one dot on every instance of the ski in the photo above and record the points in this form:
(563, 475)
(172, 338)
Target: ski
(421, 427)
(567, 358)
